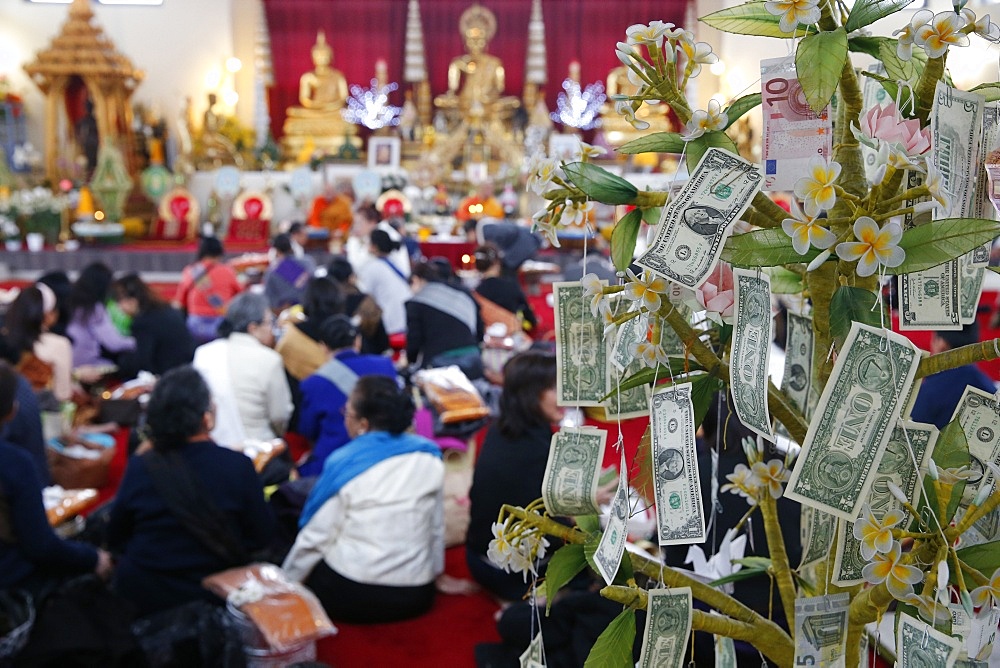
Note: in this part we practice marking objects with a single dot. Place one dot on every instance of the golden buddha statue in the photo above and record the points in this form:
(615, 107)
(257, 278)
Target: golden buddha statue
(215, 148)
(616, 129)
(322, 94)
(476, 79)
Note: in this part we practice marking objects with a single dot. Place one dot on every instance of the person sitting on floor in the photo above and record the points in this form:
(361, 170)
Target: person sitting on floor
(359, 306)
(186, 508)
(324, 394)
(286, 278)
(246, 375)
(502, 291)
(90, 326)
(443, 323)
(372, 531)
(161, 335)
(205, 289)
(46, 359)
(32, 557)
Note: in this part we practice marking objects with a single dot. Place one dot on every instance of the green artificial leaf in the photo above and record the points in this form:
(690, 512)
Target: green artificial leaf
(590, 548)
(867, 44)
(600, 184)
(740, 107)
(752, 18)
(652, 215)
(714, 139)
(565, 563)
(763, 248)
(784, 282)
(623, 239)
(892, 90)
(950, 451)
(939, 241)
(613, 648)
(657, 142)
(867, 12)
(984, 557)
(819, 61)
(991, 91)
(896, 68)
(742, 574)
(703, 390)
(850, 304)
(676, 366)
(588, 523)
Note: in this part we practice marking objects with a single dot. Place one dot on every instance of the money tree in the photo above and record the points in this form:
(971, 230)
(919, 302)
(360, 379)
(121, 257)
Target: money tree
(886, 171)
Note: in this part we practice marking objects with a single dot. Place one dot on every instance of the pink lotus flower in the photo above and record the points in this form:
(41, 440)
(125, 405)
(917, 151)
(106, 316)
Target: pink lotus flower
(886, 124)
(717, 294)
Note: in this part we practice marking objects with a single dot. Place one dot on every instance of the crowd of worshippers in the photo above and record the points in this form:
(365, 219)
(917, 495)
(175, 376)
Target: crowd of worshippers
(355, 512)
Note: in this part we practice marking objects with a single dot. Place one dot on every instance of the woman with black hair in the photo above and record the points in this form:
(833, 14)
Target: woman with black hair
(44, 358)
(371, 539)
(205, 289)
(512, 462)
(61, 286)
(286, 278)
(359, 306)
(443, 323)
(384, 281)
(162, 338)
(187, 508)
(502, 291)
(90, 325)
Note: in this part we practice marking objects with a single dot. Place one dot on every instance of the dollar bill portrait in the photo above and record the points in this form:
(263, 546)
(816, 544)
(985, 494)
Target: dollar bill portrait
(670, 464)
(704, 220)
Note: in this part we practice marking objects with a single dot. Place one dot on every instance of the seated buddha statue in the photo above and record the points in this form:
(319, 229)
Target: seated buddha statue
(476, 79)
(322, 94)
(215, 148)
(614, 124)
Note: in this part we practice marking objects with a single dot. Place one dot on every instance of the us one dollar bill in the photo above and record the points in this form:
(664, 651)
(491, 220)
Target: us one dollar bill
(680, 517)
(630, 333)
(816, 532)
(971, 286)
(612, 545)
(581, 351)
(979, 416)
(534, 655)
(821, 630)
(630, 403)
(725, 652)
(793, 133)
(796, 382)
(896, 467)
(983, 204)
(696, 223)
(668, 626)
(751, 351)
(570, 484)
(854, 420)
(920, 644)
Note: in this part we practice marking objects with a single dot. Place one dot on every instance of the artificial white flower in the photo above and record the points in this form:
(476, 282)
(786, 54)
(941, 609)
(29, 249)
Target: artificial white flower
(806, 231)
(624, 107)
(588, 151)
(816, 189)
(794, 12)
(935, 184)
(742, 481)
(886, 567)
(645, 290)
(771, 476)
(906, 34)
(695, 55)
(989, 593)
(651, 34)
(944, 30)
(576, 213)
(594, 289)
(651, 354)
(705, 120)
(542, 222)
(873, 247)
(983, 27)
(541, 172)
(876, 534)
(500, 549)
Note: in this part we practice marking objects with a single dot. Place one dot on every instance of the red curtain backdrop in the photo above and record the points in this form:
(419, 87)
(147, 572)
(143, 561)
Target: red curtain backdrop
(363, 31)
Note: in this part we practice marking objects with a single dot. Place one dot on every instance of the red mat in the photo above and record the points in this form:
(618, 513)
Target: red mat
(445, 636)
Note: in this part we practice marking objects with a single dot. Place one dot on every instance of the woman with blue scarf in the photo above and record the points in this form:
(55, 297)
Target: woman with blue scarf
(371, 537)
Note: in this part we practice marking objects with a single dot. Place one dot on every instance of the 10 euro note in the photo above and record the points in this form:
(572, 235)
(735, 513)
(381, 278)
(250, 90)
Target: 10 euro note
(569, 487)
(695, 224)
(793, 134)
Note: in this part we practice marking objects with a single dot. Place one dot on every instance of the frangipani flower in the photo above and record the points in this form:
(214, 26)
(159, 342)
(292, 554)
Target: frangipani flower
(518, 553)
(717, 294)
(650, 353)
(983, 27)
(943, 31)
(771, 475)
(500, 549)
(588, 151)
(577, 213)
(624, 107)
(793, 12)
(695, 55)
(935, 184)
(906, 34)
(805, 231)
(541, 171)
(607, 318)
(645, 290)
(594, 289)
(742, 481)
(873, 246)
(898, 578)
(816, 189)
(885, 124)
(542, 222)
(651, 34)
(875, 534)
(929, 609)
(988, 594)
(703, 121)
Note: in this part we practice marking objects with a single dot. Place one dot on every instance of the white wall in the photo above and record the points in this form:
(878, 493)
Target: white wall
(176, 44)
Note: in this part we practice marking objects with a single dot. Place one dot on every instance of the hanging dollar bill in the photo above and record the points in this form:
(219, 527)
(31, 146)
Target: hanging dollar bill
(630, 333)
(983, 203)
(855, 416)
(971, 286)
(609, 551)
(911, 398)
(534, 655)
(696, 223)
(816, 532)
(725, 652)
(570, 484)
(979, 416)
(680, 517)
(896, 467)
(581, 353)
(872, 94)
(796, 382)
(821, 630)
(630, 403)
(751, 352)
(919, 644)
(793, 133)
(668, 626)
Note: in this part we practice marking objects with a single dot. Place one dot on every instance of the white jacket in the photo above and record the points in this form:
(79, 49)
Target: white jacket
(384, 527)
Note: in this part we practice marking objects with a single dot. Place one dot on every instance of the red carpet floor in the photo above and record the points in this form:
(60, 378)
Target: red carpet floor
(446, 636)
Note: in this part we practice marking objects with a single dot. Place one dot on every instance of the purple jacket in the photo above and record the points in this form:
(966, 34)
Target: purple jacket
(91, 334)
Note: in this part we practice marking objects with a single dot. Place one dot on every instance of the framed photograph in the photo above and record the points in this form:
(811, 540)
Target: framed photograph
(383, 152)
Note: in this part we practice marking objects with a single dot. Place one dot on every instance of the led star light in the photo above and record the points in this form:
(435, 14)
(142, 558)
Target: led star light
(579, 109)
(370, 106)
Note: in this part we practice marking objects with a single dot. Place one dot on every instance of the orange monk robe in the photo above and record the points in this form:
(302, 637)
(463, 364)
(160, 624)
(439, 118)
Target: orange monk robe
(335, 215)
(469, 208)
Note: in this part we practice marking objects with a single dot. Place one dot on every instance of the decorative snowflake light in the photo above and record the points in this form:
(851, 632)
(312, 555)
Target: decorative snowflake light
(579, 109)
(370, 106)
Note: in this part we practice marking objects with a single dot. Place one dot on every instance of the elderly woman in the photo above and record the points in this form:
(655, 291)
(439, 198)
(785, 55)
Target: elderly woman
(187, 508)
(324, 394)
(245, 374)
(372, 531)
